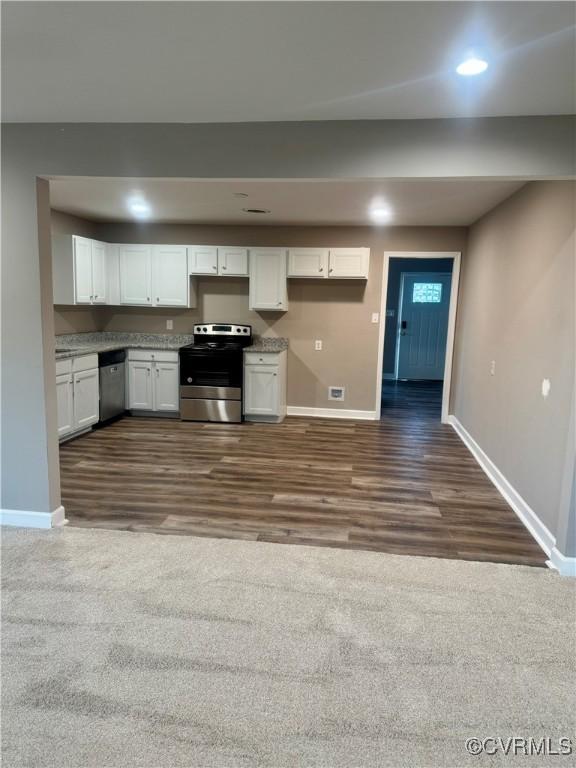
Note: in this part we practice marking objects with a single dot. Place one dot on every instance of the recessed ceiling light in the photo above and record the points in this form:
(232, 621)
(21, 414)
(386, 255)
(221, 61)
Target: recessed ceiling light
(472, 66)
(255, 210)
(139, 208)
(380, 214)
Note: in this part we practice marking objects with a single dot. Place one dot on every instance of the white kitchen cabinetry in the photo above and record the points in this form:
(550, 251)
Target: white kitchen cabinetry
(331, 263)
(225, 261)
(153, 381)
(308, 262)
(265, 386)
(349, 263)
(79, 270)
(268, 288)
(77, 394)
(155, 276)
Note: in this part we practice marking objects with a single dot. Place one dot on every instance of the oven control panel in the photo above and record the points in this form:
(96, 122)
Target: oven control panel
(222, 329)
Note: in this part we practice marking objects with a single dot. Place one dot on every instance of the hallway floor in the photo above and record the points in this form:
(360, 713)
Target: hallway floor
(403, 485)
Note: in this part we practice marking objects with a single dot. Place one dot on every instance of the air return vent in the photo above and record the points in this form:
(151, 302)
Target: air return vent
(336, 393)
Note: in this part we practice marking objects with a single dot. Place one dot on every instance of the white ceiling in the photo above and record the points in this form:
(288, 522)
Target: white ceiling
(234, 61)
(417, 203)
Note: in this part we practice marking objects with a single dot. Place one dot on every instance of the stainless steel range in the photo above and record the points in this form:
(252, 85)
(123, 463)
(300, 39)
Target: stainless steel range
(211, 373)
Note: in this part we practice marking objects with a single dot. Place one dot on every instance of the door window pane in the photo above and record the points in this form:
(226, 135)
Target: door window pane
(427, 293)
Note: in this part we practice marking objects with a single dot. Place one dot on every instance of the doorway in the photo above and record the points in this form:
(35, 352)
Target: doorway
(417, 325)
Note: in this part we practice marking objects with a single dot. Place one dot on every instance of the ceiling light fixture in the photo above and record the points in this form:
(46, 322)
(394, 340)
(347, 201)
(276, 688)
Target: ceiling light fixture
(139, 208)
(256, 210)
(380, 214)
(472, 66)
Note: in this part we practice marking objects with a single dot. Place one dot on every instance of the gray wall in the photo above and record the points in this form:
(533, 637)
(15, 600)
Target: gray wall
(517, 305)
(482, 148)
(397, 267)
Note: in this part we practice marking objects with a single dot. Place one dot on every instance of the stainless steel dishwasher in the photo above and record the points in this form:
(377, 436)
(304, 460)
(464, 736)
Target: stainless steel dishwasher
(112, 384)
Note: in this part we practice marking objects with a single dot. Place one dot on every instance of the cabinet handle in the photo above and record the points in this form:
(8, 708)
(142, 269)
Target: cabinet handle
(279, 303)
(224, 267)
(330, 270)
(275, 374)
(157, 298)
(215, 267)
(147, 298)
(321, 269)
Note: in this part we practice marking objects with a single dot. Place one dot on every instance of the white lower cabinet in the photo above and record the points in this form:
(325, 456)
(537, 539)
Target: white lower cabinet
(265, 386)
(77, 394)
(153, 381)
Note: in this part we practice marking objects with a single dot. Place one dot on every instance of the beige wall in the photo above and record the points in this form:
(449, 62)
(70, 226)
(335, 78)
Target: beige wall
(338, 312)
(517, 303)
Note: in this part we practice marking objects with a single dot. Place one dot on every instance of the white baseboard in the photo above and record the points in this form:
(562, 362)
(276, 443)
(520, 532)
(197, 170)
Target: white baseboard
(526, 514)
(566, 566)
(389, 376)
(331, 413)
(24, 519)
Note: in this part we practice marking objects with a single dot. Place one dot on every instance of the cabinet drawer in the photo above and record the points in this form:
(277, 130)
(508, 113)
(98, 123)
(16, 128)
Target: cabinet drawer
(153, 355)
(262, 358)
(63, 366)
(84, 363)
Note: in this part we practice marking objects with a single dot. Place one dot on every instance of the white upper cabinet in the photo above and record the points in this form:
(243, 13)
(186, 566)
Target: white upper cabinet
(308, 262)
(99, 273)
(136, 274)
(170, 276)
(202, 260)
(233, 261)
(268, 289)
(82, 270)
(349, 262)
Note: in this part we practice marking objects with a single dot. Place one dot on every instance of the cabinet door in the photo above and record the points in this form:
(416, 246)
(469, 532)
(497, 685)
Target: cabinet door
(166, 387)
(99, 279)
(170, 276)
(261, 390)
(202, 260)
(82, 270)
(86, 398)
(140, 386)
(233, 261)
(349, 262)
(308, 262)
(65, 404)
(268, 279)
(136, 274)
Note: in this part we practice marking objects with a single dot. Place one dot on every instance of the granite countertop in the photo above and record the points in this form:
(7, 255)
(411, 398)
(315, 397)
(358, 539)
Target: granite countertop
(267, 344)
(75, 344)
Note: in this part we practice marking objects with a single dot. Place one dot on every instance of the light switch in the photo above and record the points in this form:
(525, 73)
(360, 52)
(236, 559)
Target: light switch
(375, 317)
(170, 325)
(545, 388)
(318, 345)
(492, 367)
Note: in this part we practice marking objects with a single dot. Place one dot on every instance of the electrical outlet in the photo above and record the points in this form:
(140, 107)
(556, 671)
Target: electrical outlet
(318, 345)
(169, 325)
(493, 368)
(375, 317)
(545, 388)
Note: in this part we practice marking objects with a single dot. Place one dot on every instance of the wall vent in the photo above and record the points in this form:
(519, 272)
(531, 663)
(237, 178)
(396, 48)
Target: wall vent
(336, 393)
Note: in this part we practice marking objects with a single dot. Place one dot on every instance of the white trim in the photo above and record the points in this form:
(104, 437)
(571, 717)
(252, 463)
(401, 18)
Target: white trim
(331, 413)
(24, 519)
(526, 514)
(456, 256)
(566, 566)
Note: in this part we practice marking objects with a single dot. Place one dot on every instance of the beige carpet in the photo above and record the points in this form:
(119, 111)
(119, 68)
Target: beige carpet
(124, 649)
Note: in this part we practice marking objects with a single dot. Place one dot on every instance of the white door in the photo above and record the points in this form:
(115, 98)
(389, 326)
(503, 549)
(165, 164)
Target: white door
(136, 274)
(349, 262)
(166, 387)
(140, 386)
(65, 404)
(261, 390)
(99, 278)
(268, 288)
(423, 325)
(82, 270)
(308, 262)
(202, 260)
(233, 262)
(86, 398)
(170, 276)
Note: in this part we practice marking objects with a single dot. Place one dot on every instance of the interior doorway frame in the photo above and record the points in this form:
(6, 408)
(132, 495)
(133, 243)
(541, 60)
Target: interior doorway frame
(456, 257)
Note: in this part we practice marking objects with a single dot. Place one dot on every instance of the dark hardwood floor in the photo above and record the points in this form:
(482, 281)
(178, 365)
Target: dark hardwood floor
(404, 485)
